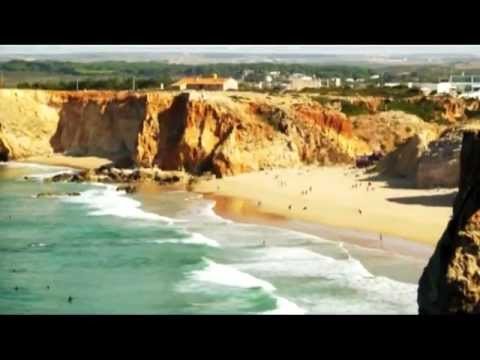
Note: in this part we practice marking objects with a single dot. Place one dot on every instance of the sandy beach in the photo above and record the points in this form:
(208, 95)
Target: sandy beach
(342, 197)
(84, 162)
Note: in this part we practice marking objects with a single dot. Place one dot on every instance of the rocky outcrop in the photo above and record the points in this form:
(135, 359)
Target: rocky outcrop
(404, 161)
(126, 176)
(56, 194)
(439, 166)
(457, 109)
(194, 132)
(385, 131)
(451, 283)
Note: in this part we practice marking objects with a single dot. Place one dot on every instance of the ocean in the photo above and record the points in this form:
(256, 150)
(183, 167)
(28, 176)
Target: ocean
(111, 255)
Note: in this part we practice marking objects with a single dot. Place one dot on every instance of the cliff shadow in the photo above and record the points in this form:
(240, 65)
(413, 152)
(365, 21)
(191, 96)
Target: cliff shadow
(444, 200)
(391, 182)
(172, 126)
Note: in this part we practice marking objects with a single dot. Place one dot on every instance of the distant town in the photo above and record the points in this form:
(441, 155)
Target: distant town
(121, 75)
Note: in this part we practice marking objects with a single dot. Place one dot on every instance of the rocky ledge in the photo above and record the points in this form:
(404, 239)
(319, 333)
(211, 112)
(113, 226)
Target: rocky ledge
(129, 178)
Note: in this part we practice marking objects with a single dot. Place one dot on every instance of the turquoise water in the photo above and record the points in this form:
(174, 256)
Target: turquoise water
(112, 256)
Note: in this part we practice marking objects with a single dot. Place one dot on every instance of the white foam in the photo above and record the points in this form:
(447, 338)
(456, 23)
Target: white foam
(17, 164)
(285, 307)
(203, 210)
(376, 294)
(38, 245)
(195, 239)
(229, 276)
(42, 177)
(107, 201)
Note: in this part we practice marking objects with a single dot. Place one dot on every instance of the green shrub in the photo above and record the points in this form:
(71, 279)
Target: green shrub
(350, 109)
(426, 109)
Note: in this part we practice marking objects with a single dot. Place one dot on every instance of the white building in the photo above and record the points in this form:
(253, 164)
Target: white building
(300, 83)
(459, 84)
(337, 82)
(445, 87)
(206, 83)
(375, 77)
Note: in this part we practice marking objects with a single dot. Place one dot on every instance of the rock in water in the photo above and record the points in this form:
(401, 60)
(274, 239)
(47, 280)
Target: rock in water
(62, 177)
(53, 194)
(129, 189)
(451, 283)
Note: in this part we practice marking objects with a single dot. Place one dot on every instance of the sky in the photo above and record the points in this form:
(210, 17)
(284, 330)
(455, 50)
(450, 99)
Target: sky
(262, 49)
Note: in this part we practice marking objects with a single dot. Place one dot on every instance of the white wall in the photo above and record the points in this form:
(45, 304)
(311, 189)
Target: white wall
(443, 87)
(230, 84)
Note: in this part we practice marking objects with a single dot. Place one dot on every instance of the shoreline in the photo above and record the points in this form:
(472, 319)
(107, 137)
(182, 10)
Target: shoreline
(348, 200)
(244, 210)
(235, 200)
(79, 163)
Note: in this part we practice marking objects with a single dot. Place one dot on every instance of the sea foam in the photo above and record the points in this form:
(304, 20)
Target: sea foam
(285, 307)
(42, 177)
(106, 200)
(229, 276)
(194, 239)
(18, 164)
(378, 294)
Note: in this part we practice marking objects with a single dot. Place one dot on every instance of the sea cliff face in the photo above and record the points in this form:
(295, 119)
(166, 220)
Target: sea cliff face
(218, 132)
(450, 283)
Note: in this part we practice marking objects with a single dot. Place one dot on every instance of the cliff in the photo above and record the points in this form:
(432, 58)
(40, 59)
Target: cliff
(439, 165)
(404, 161)
(225, 133)
(28, 119)
(450, 283)
(387, 130)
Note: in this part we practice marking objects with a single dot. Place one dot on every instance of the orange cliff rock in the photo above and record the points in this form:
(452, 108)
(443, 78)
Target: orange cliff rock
(219, 132)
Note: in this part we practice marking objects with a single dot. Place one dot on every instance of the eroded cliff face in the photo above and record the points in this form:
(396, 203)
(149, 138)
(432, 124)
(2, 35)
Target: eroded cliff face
(28, 119)
(197, 132)
(451, 283)
(439, 165)
(105, 126)
(458, 109)
(388, 130)
(404, 161)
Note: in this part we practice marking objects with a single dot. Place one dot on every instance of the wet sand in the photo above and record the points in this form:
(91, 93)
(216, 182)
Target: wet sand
(80, 162)
(341, 198)
(244, 210)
